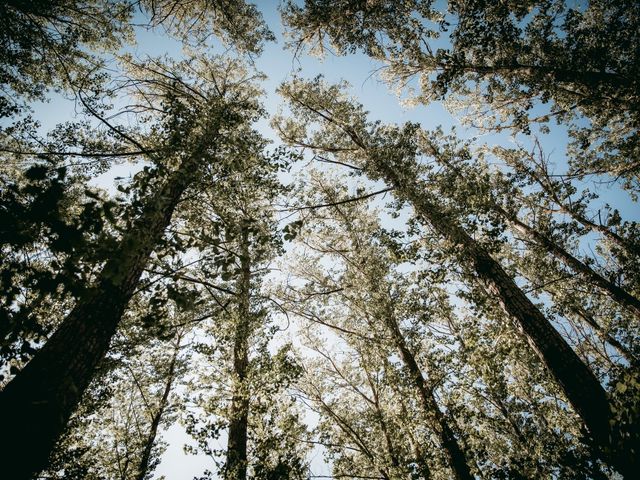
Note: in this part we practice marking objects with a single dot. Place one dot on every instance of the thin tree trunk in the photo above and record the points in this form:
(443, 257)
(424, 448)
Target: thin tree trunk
(40, 399)
(587, 318)
(421, 460)
(546, 184)
(393, 456)
(350, 432)
(143, 467)
(236, 467)
(618, 294)
(453, 452)
(612, 236)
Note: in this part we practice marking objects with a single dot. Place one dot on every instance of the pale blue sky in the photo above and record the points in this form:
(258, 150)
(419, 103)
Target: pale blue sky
(278, 64)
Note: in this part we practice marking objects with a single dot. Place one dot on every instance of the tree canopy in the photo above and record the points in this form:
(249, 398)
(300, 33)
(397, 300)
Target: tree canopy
(290, 282)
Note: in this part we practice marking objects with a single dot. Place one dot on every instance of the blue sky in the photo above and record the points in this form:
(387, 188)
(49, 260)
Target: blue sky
(279, 65)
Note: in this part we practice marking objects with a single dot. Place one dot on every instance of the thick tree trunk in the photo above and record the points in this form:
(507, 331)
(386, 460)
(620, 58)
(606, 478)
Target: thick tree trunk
(581, 387)
(451, 448)
(38, 402)
(236, 467)
(143, 466)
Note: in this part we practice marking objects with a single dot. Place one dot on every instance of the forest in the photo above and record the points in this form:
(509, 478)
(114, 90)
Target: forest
(319, 239)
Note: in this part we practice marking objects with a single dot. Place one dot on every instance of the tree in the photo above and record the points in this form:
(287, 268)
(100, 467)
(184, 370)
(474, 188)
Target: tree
(197, 121)
(243, 389)
(390, 154)
(381, 303)
(490, 193)
(115, 432)
(375, 302)
(61, 44)
(503, 63)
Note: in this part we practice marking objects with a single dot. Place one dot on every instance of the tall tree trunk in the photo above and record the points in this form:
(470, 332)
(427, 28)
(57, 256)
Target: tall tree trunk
(628, 245)
(582, 388)
(421, 459)
(391, 450)
(353, 434)
(618, 294)
(605, 336)
(236, 466)
(451, 448)
(143, 466)
(38, 402)
(543, 179)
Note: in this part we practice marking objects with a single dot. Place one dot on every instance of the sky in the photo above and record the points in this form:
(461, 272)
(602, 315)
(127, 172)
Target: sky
(279, 65)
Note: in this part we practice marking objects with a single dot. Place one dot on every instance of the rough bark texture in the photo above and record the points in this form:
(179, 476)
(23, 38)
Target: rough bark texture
(38, 402)
(236, 467)
(145, 459)
(581, 387)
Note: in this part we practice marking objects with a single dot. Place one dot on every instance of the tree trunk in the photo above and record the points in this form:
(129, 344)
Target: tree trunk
(627, 245)
(143, 467)
(391, 450)
(605, 336)
(38, 402)
(547, 185)
(236, 467)
(581, 387)
(454, 454)
(618, 294)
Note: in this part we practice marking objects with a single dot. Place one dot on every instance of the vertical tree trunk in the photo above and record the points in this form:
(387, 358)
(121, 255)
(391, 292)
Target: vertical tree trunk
(143, 466)
(350, 432)
(451, 448)
(581, 387)
(236, 466)
(421, 460)
(391, 450)
(38, 402)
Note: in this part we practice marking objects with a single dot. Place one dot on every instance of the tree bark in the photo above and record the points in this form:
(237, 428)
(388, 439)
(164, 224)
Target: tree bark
(451, 448)
(236, 466)
(38, 402)
(145, 459)
(581, 387)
